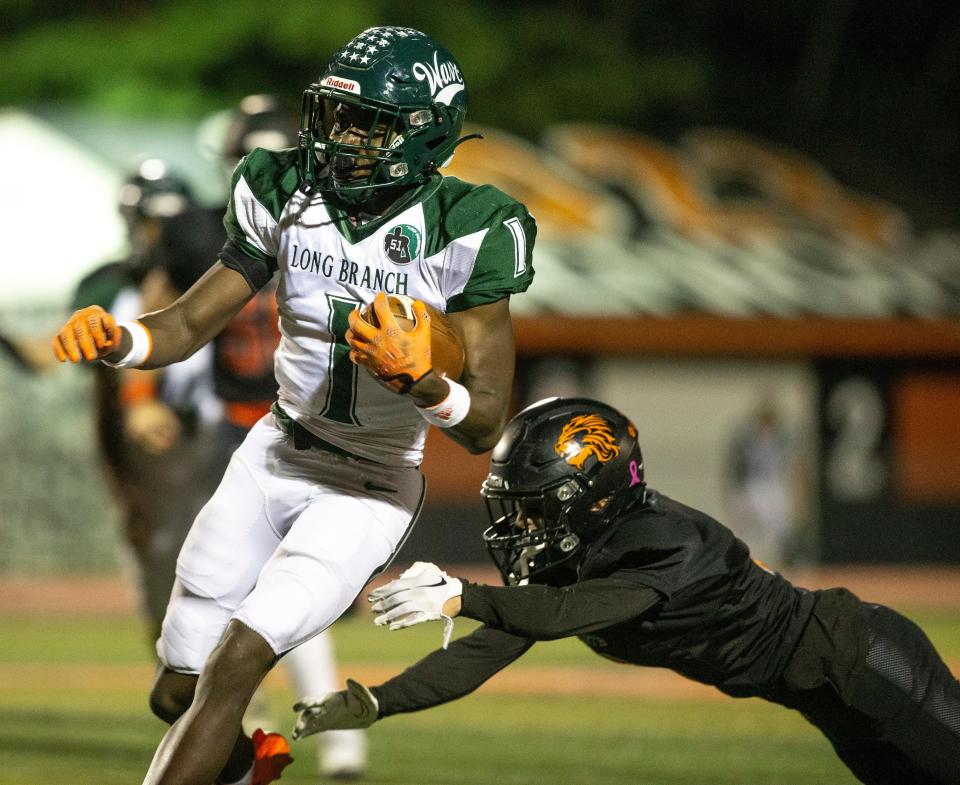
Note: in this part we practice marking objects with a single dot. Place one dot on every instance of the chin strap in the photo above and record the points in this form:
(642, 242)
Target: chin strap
(434, 168)
(463, 139)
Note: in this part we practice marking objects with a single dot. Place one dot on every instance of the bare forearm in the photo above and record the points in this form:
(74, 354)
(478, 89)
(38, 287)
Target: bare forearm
(480, 429)
(488, 376)
(188, 323)
(175, 338)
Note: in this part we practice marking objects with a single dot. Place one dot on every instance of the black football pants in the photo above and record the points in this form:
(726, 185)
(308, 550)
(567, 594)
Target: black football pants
(892, 712)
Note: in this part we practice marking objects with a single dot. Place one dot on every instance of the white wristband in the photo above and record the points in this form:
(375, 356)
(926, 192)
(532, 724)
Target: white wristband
(142, 345)
(451, 410)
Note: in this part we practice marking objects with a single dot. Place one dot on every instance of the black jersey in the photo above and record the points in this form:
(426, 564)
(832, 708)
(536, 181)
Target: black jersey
(723, 619)
(665, 585)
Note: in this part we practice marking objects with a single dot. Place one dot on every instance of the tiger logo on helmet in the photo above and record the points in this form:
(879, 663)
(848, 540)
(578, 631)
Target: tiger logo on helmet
(586, 435)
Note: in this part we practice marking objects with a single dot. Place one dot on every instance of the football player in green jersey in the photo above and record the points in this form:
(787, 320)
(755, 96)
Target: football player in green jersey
(323, 490)
(243, 379)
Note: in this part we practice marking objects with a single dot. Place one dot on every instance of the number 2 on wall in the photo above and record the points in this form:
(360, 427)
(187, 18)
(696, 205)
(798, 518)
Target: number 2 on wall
(855, 470)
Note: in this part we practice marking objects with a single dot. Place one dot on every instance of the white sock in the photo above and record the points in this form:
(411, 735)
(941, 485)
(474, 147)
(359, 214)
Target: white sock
(312, 668)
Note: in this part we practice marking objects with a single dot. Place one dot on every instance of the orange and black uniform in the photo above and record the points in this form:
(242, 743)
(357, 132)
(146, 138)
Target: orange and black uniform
(243, 371)
(101, 287)
(243, 351)
(667, 586)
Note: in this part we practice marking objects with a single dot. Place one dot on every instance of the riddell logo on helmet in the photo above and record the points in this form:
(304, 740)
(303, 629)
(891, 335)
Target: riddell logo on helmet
(586, 435)
(339, 83)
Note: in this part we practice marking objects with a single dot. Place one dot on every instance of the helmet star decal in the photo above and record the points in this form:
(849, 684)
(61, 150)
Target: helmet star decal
(586, 435)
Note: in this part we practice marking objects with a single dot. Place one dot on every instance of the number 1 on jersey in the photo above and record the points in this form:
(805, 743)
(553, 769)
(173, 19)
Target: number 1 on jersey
(341, 402)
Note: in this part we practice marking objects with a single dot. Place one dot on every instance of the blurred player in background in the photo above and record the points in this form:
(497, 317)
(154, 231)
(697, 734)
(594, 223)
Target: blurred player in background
(243, 351)
(167, 416)
(324, 489)
(588, 550)
(148, 427)
(244, 381)
(763, 470)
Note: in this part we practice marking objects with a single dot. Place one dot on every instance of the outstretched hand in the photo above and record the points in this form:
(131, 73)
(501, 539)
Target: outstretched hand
(354, 707)
(423, 593)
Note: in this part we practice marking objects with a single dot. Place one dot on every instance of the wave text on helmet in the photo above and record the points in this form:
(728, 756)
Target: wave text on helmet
(444, 79)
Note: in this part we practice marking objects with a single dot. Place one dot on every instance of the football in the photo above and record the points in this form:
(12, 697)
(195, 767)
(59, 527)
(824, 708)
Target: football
(446, 349)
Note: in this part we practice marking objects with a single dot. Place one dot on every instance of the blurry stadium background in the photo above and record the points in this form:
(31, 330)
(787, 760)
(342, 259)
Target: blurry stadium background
(743, 208)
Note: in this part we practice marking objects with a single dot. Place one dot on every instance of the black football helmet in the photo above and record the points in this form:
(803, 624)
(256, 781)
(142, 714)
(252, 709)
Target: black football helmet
(150, 195)
(152, 190)
(406, 97)
(562, 471)
(257, 121)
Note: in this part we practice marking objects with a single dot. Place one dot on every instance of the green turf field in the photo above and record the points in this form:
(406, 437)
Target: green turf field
(73, 712)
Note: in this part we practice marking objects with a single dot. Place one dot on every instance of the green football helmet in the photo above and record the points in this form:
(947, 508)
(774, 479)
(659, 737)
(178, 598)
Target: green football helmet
(386, 112)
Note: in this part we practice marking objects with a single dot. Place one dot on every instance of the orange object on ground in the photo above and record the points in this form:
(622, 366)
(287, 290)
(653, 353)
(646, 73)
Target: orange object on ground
(271, 755)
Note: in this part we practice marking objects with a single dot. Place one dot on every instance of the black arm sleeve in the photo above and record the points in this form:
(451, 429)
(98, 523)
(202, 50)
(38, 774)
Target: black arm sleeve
(447, 674)
(545, 613)
(257, 272)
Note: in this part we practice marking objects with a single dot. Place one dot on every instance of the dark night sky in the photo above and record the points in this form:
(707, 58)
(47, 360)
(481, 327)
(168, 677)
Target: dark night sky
(869, 88)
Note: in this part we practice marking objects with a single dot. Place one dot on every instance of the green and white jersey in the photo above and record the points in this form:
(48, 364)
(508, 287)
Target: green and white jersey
(453, 245)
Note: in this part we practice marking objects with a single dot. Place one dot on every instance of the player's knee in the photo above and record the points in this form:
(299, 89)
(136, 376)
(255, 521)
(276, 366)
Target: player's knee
(191, 629)
(238, 664)
(307, 607)
(171, 695)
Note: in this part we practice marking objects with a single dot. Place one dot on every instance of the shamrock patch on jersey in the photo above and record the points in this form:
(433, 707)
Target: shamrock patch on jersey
(402, 244)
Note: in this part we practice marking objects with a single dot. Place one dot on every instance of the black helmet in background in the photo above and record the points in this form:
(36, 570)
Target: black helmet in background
(152, 190)
(151, 194)
(258, 121)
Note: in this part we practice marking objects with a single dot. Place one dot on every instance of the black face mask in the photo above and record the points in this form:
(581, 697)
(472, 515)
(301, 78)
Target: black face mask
(529, 535)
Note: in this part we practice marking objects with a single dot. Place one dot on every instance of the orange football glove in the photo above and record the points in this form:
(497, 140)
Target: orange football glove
(91, 333)
(396, 357)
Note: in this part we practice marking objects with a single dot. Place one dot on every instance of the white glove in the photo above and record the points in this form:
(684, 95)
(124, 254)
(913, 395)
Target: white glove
(354, 707)
(416, 596)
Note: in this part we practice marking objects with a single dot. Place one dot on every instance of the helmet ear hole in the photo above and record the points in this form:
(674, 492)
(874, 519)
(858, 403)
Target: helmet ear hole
(600, 504)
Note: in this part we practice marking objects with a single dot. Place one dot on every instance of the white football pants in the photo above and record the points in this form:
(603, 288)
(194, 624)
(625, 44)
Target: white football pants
(284, 545)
